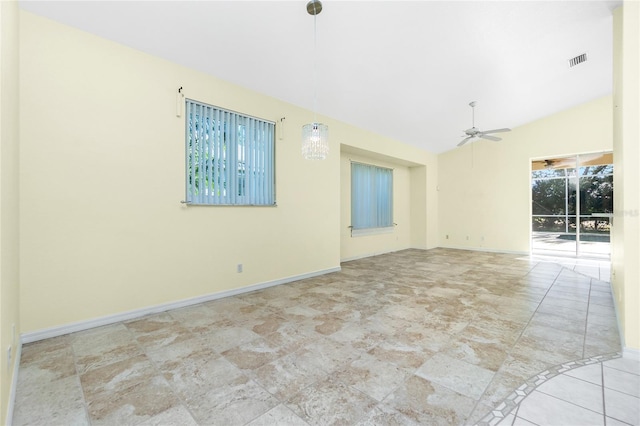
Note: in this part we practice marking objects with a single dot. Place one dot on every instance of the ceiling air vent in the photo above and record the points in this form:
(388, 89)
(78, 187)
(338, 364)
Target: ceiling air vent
(577, 60)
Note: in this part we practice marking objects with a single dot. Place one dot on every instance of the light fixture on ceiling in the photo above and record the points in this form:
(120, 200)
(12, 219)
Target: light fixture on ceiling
(315, 136)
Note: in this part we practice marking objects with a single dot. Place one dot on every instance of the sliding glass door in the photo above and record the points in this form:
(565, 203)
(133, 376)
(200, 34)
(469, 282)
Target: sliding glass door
(596, 209)
(572, 205)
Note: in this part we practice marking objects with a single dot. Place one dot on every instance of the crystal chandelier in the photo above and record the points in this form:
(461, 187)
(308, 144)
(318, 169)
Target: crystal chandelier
(315, 136)
(315, 141)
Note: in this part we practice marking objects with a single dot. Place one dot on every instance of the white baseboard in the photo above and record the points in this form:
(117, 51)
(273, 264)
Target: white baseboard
(47, 333)
(364, 256)
(14, 384)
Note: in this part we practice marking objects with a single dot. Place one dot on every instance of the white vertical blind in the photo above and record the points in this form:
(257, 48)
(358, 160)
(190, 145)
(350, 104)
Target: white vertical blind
(371, 196)
(230, 157)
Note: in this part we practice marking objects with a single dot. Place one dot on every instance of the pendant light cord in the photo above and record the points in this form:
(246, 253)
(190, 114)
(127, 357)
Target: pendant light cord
(315, 70)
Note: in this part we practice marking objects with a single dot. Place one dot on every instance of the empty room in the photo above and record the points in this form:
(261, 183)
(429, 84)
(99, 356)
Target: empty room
(319, 213)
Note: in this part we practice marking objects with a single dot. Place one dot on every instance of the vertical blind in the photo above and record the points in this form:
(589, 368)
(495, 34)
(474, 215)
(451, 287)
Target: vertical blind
(371, 196)
(230, 157)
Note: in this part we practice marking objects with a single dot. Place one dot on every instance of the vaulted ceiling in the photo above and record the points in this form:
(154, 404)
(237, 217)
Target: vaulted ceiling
(403, 69)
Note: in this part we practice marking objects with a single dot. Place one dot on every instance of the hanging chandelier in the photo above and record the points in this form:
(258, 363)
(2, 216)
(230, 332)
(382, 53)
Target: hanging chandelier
(315, 136)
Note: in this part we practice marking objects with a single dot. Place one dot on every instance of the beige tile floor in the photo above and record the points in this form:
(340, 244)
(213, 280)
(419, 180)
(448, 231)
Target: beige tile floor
(414, 337)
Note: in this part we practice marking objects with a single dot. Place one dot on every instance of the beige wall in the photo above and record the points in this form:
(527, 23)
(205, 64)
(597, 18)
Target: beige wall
(424, 222)
(103, 230)
(626, 237)
(9, 219)
(484, 196)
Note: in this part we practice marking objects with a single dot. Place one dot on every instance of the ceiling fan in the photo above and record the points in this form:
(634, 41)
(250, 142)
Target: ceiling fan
(474, 132)
(581, 160)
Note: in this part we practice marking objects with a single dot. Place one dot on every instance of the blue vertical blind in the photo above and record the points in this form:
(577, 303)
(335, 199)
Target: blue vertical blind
(230, 157)
(371, 196)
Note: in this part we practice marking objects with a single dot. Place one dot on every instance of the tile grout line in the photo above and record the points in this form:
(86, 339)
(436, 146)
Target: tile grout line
(477, 402)
(515, 415)
(517, 405)
(535, 381)
(622, 371)
(85, 406)
(520, 335)
(157, 370)
(533, 314)
(569, 402)
(604, 403)
(161, 373)
(586, 321)
(182, 401)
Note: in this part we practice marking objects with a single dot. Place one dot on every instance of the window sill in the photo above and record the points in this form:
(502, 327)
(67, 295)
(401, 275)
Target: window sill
(371, 231)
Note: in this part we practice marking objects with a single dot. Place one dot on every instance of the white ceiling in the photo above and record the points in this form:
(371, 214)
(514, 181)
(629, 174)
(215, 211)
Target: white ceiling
(403, 69)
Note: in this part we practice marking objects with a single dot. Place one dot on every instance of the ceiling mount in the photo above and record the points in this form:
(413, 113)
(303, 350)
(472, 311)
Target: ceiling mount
(314, 7)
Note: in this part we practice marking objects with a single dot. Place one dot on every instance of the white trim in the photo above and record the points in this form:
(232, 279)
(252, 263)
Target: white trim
(47, 333)
(364, 256)
(631, 353)
(372, 231)
(14, 384)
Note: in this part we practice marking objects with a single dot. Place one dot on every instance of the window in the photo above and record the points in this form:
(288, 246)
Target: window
(230, 157)
(371, 198)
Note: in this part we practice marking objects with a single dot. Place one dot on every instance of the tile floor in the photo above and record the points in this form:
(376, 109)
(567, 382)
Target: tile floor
(414, 337)
(600, 393)
(597, 268)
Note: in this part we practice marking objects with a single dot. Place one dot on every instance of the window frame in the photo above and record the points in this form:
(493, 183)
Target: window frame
(261, 161)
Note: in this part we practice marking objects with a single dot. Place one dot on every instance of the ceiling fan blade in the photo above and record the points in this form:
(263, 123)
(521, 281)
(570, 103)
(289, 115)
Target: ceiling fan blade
(497, 131)
(489, 137)
(465, 140)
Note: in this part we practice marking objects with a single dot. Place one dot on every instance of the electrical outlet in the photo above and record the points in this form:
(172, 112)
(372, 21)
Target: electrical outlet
(239, 268)
(467, 238)
(446, 237)
(9, 352)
